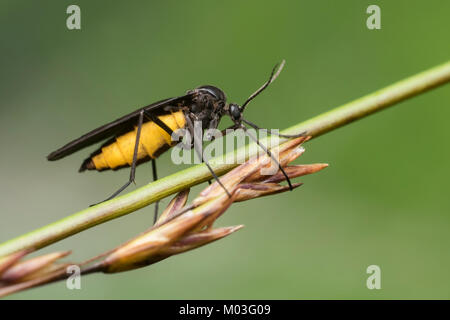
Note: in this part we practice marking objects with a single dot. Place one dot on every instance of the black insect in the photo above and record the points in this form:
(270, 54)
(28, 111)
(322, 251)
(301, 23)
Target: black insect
(146, 133)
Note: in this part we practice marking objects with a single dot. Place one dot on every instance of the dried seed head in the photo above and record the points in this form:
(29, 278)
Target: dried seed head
(33, 267)
(192, 241)
(180, 228)
(198, 239)
(137, 252)
(247, 191)
(10, 260)
(250, 171)
(174, 206)
(296, 171)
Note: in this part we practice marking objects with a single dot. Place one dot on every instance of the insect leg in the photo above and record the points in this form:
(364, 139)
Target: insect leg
(159, 122)
(133, 164)
(197, 149)
(166, 128)
(270, 155)
(251, 124)
(155, 177)
(223, 132)
(200, 155)
(209, 181)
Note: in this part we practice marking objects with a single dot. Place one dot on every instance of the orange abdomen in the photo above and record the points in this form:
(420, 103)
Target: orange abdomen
(152, 140)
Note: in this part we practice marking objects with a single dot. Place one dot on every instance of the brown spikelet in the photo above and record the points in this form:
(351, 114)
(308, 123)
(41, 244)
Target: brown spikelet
(180, 227)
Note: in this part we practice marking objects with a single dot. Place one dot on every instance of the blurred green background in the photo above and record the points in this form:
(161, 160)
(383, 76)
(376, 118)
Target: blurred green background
(383, 200)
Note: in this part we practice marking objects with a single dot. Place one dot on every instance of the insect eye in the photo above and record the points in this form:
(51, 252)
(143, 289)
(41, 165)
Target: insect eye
(235, 112)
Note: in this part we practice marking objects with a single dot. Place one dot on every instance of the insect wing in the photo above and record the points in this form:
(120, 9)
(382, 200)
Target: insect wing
(113, 128)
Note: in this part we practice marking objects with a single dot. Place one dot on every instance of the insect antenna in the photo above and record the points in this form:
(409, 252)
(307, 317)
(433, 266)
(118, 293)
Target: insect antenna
(273, 76)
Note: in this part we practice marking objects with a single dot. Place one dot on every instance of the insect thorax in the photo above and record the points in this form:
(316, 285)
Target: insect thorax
(207, 106)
